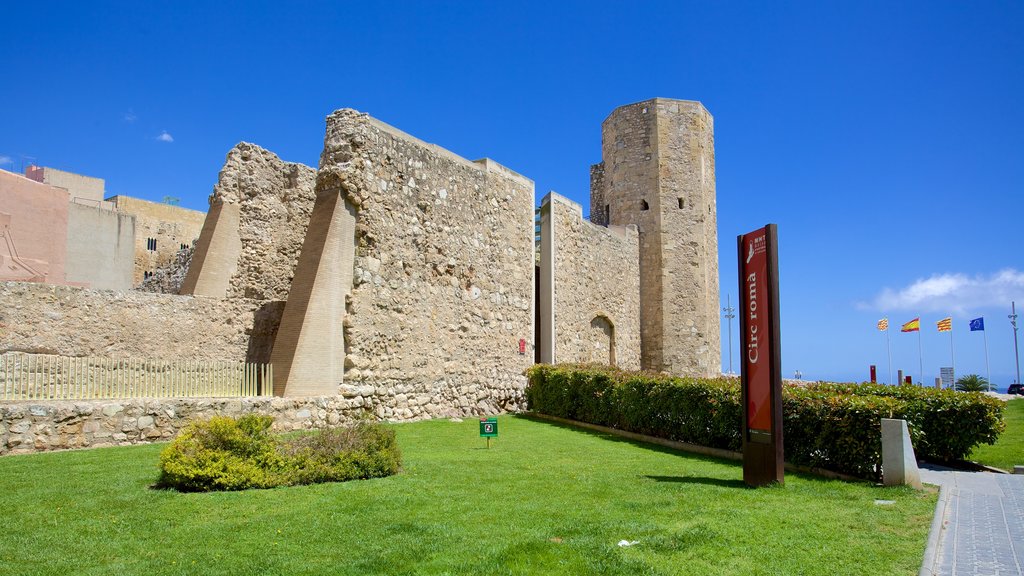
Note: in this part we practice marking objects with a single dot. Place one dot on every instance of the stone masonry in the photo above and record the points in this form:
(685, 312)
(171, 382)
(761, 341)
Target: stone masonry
(47, 319)
(442, 286)
(398, 280)
(658, 174)
(160, 231)
(250, 240)
(591, 275)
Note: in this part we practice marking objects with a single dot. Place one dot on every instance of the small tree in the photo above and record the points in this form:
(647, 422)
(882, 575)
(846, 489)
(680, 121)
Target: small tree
(971, 383)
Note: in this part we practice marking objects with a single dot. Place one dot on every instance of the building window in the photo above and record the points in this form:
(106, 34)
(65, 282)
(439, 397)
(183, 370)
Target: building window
(644, 205)
(183, 246)
(151, 244)
(680, 202)
(607, 214)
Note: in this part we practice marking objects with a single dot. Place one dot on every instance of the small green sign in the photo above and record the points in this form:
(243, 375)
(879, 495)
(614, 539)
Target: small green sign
(488, 427)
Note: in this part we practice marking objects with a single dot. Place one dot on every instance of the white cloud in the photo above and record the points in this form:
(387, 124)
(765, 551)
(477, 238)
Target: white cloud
(6, 160)
(952, 293)
(129, 116)
(165, 137)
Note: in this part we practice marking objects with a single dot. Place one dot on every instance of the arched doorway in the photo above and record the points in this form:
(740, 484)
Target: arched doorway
(603, 339)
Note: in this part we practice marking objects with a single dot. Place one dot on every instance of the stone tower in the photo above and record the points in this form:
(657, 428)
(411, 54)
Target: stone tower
(658, 173)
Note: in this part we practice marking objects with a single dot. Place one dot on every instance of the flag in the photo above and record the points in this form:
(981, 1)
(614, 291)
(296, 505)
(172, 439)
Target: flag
(978, 324)
(912, 326)
(883, 324)
(945, 325)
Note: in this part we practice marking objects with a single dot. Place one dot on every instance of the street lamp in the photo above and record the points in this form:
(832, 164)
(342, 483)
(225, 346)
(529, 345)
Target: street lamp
(730, 313)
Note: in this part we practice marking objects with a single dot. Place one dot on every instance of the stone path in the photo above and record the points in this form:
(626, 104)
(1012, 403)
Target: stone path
(980, 518)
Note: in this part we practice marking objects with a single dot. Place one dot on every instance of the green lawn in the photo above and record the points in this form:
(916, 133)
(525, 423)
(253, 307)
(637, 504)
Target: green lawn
(544, 499)
(1008, 451)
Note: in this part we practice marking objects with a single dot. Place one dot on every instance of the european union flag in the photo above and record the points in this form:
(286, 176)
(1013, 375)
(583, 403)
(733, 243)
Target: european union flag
(978, 324)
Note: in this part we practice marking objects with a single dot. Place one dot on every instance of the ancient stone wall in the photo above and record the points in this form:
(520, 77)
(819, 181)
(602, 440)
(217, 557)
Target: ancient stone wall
(160, 231)
(690, 244)
(658, 174)
(61, 425)
(250, 241)
(443, 278)
(596, 287)
(70, 321)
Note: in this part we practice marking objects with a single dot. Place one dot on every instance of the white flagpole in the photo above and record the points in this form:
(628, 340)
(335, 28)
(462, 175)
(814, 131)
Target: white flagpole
(888, 348)
(988, 372)
(920, 355)
(952, 354)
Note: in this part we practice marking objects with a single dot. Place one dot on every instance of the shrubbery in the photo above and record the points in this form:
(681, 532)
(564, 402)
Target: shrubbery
(831, 426)
(225, 453)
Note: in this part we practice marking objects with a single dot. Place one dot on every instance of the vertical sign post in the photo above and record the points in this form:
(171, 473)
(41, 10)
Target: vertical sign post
(762, 357)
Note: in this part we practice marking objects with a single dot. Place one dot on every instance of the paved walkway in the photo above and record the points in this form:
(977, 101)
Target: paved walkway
(980, 517)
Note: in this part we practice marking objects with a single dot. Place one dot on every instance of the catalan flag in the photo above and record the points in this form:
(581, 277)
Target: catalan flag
(912, 326)
(945, 325)
(883, 324)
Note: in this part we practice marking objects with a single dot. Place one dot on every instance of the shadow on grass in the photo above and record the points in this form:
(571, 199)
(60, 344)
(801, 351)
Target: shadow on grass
(806, 475)
(723, 482)
(614, 438)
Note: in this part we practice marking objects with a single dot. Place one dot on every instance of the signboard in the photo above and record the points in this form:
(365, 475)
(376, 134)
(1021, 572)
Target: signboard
(946, 373)
(761, 366)
(488, 427)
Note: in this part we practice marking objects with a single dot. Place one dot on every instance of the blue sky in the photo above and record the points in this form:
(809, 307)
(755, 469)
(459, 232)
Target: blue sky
(885, 139)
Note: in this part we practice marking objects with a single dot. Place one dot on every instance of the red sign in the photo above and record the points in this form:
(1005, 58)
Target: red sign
(874, 375)
(756, 309)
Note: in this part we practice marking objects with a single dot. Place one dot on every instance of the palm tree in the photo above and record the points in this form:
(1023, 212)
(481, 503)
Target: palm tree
(971, 383)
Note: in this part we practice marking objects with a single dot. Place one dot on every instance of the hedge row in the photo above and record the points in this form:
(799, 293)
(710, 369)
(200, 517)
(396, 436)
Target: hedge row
(830, 426)
(224, 453)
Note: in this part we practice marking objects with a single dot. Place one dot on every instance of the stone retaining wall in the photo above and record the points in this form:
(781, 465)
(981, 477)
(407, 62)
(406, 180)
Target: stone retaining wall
(43, 426)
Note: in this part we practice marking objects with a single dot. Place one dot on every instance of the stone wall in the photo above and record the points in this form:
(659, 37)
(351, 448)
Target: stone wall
(658, 173)
(100, 248)
(172, 227)
(443, 269)
(60, 425)
(42, 318)
(250, 241)
(596, 289)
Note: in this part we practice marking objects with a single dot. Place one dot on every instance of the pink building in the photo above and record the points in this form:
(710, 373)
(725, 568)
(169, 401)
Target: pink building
(33, 230)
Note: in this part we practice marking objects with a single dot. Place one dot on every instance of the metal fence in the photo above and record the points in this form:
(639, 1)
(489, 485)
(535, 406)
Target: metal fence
(46, 377)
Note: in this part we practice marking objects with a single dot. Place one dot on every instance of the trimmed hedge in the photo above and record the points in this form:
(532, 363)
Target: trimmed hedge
(831, 426)
(224, 453)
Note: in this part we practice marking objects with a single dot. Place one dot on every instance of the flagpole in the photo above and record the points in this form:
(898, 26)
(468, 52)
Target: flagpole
(920, 357)
(988, 372)
(952, 354)
(888, 348)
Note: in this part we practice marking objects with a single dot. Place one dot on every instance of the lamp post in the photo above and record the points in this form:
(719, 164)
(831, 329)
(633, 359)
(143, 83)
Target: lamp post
(1013, 322)
(730, 313)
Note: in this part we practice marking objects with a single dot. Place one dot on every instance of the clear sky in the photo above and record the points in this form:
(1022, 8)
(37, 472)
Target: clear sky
(886, 139)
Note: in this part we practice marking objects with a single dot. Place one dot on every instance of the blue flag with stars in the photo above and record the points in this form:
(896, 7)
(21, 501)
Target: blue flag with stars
(978, 324)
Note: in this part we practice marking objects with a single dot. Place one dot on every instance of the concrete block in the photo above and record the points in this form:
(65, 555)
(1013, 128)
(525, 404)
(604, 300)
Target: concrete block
(899, 464)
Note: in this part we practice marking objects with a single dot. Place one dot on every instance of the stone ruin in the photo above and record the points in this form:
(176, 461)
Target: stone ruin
(400, 279)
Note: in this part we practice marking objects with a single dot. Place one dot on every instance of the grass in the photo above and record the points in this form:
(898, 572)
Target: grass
(544, 499)
(1008, 451)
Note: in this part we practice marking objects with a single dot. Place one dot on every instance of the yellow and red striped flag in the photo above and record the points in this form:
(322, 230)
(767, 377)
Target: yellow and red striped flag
(912, 326)
(883, 324)
(945, 325)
